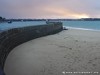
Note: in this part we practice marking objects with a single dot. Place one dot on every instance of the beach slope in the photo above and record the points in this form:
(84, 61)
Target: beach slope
(68, 51)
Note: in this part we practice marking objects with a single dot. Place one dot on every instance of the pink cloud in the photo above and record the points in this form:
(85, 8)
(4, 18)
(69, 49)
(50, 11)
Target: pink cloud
(49, 8)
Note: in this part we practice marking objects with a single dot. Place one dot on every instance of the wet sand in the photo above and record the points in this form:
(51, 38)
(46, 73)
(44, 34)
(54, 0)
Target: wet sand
(69, 51)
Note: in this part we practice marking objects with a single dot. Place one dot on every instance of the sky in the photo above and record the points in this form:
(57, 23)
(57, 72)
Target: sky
(71, 9)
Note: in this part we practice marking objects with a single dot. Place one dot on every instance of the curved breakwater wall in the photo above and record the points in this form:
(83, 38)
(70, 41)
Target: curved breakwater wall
(13, 37)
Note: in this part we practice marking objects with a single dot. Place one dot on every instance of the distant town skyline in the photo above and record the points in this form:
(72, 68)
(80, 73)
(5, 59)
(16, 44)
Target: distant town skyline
(54, 9)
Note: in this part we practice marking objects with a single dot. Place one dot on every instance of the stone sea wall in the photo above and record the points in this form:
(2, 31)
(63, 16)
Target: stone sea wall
(13, 37)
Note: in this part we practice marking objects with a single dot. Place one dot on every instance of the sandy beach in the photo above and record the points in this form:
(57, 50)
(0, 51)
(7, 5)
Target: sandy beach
(68, 51)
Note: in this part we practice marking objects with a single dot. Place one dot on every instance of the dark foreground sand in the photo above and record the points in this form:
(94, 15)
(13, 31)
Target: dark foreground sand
(68, 51)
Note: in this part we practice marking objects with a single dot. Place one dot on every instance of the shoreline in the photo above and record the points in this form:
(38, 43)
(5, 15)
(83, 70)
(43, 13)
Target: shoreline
(69, 50)
(80, 28)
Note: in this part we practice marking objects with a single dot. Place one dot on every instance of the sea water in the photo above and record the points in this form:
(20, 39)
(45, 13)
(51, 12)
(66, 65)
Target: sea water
(5, 26)
(83, 25)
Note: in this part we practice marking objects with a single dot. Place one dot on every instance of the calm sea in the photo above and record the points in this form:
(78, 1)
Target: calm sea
(4, 26)
(84, 25)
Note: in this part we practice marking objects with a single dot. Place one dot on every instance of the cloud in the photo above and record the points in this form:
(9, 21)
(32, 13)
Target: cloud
(49, 8)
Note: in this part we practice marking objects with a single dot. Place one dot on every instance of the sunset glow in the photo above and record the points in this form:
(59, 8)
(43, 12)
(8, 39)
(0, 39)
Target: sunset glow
(63, 13)
(80, 16)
